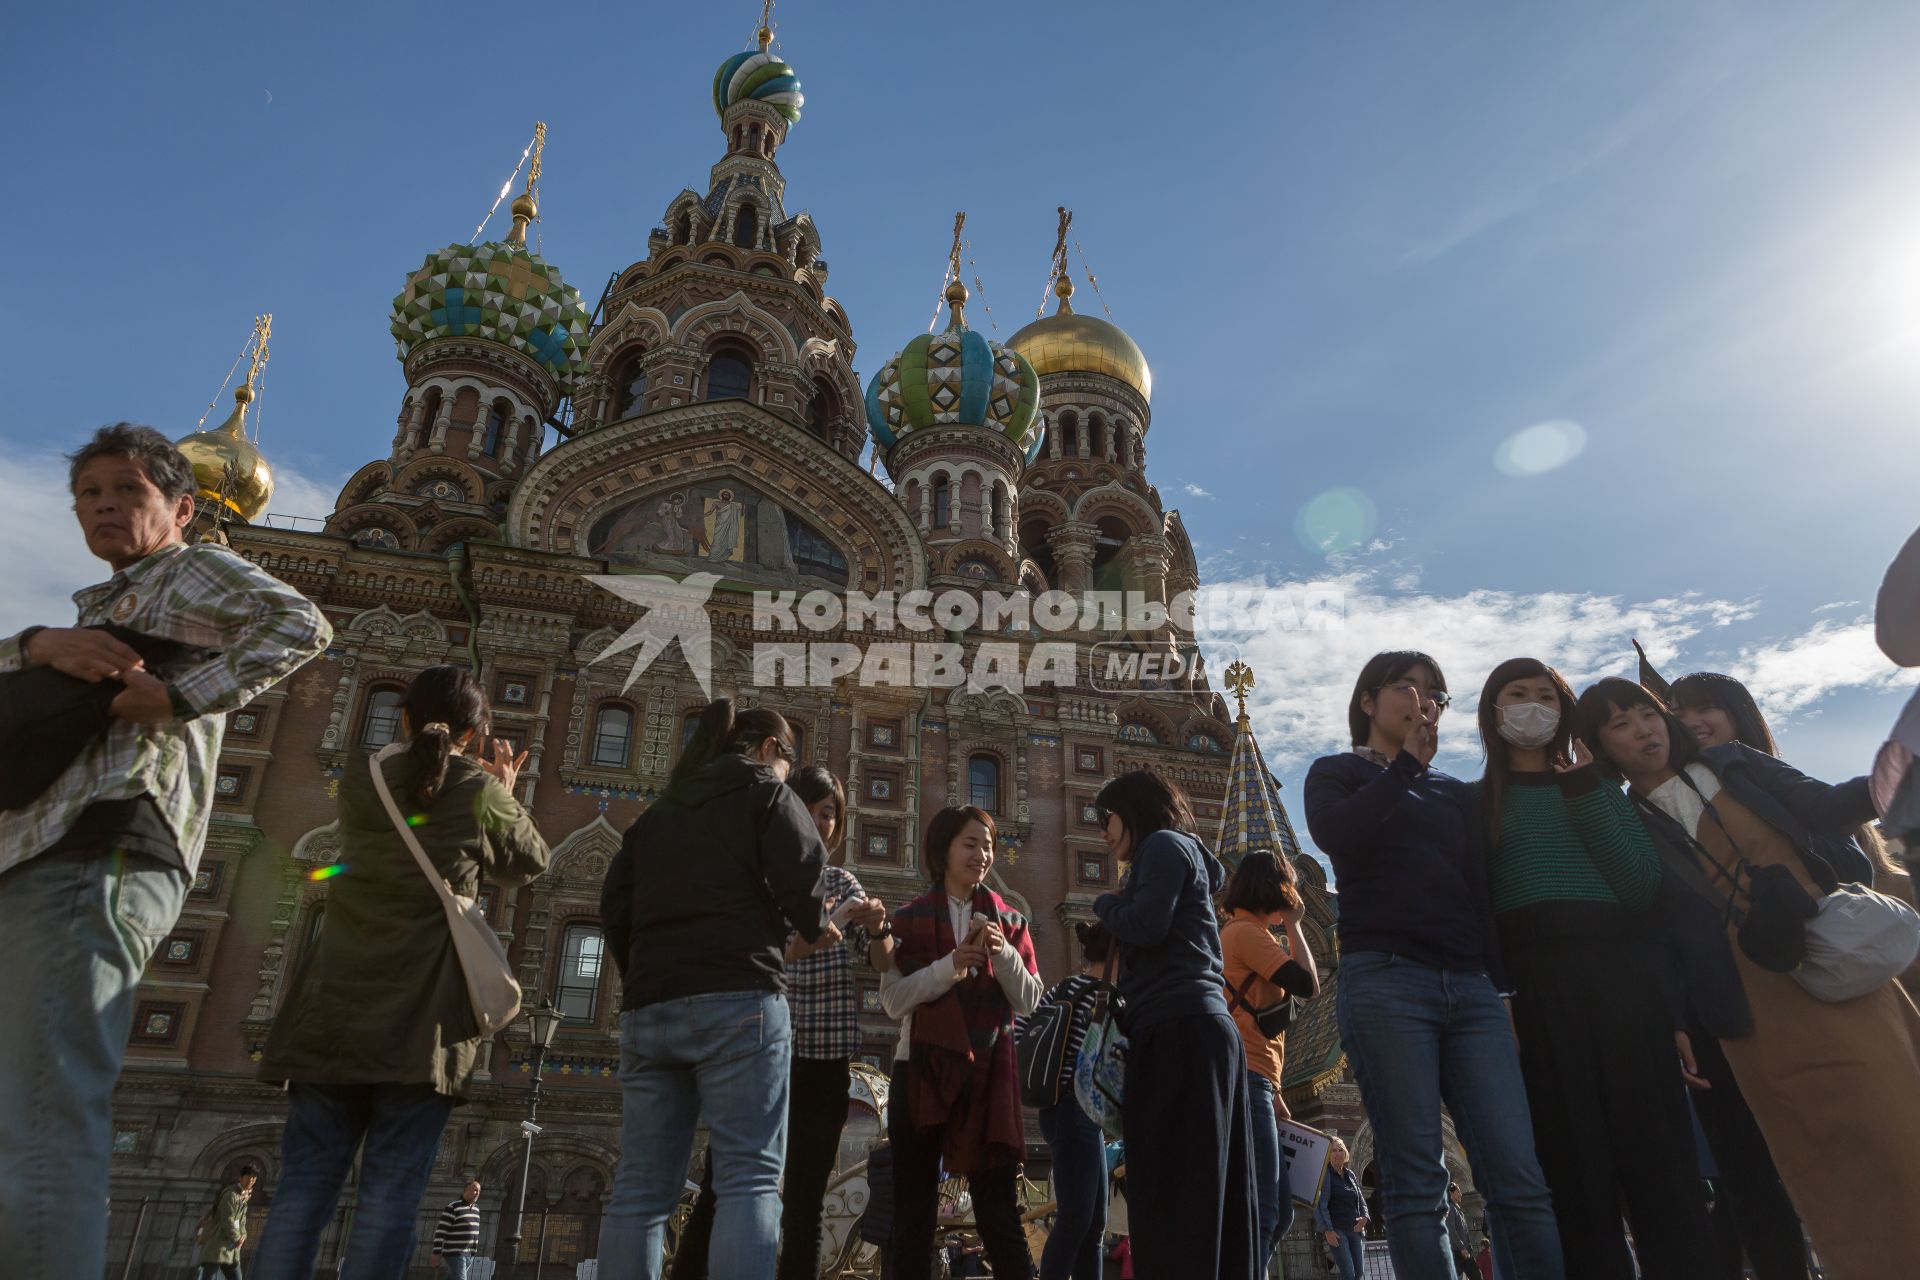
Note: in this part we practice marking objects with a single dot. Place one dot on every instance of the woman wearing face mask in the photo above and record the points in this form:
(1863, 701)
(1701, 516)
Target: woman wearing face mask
(1821, 1077)
(1573, 874)
(964, 968)
(1420, 979)
(1190, 1195)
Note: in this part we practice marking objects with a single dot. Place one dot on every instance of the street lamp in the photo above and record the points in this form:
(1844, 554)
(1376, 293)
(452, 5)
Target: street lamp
(543, 1023)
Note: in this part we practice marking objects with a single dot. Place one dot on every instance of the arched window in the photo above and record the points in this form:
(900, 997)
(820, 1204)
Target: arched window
(799, 733)
(983, 783)
(745, 227)
(380, 724)
(576, 993)
(822, 410)
(496, 426)
(612, 736)
(429, 414)
(1069, 435)
(686, 229)
(632, 391)
(942, 502)
(728, 377)
(996, 510)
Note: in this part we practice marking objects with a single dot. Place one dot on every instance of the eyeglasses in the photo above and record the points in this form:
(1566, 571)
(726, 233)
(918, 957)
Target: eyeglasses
(1439, 697)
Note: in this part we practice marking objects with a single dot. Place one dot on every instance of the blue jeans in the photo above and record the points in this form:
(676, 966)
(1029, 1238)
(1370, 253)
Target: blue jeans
(80, 927)
(396, 1129)
(723, 1057)
(1418, 1036)
(1271, 1196)
(1079, 1192)
(1350, 1255)
(459, 1265)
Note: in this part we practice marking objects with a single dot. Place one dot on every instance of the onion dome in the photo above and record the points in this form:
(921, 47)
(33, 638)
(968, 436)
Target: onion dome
(956, 378)
(211, 452)
(1066, 342)
(762, 77)
(502, 292)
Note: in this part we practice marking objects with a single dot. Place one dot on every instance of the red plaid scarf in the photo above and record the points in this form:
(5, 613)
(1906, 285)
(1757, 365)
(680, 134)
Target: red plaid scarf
(961, 1073)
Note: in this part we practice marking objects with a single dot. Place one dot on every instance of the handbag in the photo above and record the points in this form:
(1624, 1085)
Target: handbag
(47, 717)
(1100, 1069)
(1040, 1051)
(491, 987)
(1273, 1020)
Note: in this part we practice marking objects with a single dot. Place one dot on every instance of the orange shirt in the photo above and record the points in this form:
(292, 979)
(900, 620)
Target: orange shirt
(1248, 947)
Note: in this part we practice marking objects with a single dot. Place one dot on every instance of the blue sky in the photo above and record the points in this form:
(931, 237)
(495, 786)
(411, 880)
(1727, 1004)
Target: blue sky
(1362, 245)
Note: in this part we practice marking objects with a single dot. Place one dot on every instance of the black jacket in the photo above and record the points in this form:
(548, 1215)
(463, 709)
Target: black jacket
(706, 884)
(1814, 818)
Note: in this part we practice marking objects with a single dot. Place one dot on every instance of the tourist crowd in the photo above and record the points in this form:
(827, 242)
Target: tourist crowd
(1638, 924)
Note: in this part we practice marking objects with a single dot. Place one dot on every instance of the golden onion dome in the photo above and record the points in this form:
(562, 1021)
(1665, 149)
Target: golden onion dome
(211, 452)
(1066, 342)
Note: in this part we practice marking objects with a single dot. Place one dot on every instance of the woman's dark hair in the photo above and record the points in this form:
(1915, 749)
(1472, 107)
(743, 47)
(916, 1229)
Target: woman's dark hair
(1095, 941)
(1493, 786)
(441, 704)
(1383, 669)
(945, 828)
(1606, 699)
(719, 731)
(1145, 803)
(1705, 690)
(816, 783)
(1262, 884)
(167, 468)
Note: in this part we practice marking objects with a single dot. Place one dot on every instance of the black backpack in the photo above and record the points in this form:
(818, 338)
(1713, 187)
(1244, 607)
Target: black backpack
(1041, 1052)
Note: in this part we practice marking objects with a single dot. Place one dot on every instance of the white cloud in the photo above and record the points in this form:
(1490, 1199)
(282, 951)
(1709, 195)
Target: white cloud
(36, 513)
(1791, 675)
(1194, 491)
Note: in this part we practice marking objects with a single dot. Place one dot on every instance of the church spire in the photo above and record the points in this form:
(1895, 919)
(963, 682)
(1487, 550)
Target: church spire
(1252, 817)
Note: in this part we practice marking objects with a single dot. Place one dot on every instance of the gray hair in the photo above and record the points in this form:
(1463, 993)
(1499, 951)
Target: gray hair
(166, 467)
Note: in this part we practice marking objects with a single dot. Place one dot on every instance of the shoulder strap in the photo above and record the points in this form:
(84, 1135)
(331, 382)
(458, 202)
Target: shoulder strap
(1687, 871)
(399, 820)
(1237, 996)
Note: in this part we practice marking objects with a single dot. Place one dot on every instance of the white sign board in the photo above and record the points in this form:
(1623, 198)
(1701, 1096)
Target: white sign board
(1304, 1151)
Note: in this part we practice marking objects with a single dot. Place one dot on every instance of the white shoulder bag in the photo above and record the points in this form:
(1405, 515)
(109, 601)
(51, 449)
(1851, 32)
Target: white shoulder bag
(490, 983)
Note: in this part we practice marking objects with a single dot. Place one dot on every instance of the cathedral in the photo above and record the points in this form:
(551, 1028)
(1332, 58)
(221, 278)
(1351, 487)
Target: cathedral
(701, 416)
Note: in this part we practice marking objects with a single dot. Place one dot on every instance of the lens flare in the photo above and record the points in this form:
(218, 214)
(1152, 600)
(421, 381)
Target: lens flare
(1337, 520)
(417, 820)
(1540, 448)
(326, 873)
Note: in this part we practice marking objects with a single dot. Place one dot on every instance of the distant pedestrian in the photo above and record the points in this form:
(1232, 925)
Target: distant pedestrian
(1458, 1236)
(1340, 1213)
(96, 865)
(456, 1241)
(377, 1040)
(224, 1230)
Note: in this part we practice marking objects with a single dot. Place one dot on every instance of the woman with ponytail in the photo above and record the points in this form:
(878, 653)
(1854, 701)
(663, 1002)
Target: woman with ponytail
(697, 907)
(376, 1040)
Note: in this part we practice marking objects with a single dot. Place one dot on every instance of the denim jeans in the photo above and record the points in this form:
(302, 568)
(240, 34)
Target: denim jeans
(723, 1057)
(80, 926)
(459, 1265)
(1079, 1192)
(1272, 1197)
(396, 1130)
(1418, 1036)
(1350, 1255)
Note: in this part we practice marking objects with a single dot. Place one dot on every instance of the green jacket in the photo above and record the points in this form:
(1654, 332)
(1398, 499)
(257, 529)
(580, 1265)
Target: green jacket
(382, 999)
(226, 1228)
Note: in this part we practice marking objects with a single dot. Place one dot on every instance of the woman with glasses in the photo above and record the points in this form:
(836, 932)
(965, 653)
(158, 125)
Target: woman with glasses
(697, 906)
(1420, 981)
(1190, 1195)
(1574, 878)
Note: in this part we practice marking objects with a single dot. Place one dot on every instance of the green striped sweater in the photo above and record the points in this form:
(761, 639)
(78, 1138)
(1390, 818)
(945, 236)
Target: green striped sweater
(1570, 837)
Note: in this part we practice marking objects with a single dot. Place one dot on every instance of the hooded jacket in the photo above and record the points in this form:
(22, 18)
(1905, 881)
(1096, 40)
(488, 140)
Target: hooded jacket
(381, 998)
(706, 884)
(1162, 917)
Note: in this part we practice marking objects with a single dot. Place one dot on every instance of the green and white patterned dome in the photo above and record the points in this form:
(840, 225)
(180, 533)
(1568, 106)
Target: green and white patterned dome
(956, 378)
(502, 292)
(761, 76)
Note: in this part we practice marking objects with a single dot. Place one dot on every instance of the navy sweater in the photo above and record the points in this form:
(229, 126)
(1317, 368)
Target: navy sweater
(1407, 851)
(1162, 917)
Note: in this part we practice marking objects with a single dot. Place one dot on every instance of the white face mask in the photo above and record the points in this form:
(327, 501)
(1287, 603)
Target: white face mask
(1529, 724)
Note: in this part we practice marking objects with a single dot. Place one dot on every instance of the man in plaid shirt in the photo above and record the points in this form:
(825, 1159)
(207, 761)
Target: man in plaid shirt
(94, 871)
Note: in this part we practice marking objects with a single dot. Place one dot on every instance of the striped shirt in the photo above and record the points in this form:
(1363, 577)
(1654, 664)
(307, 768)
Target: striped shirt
(1570, 837)
(820, 987)
(459, 1229)
(201, 595)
